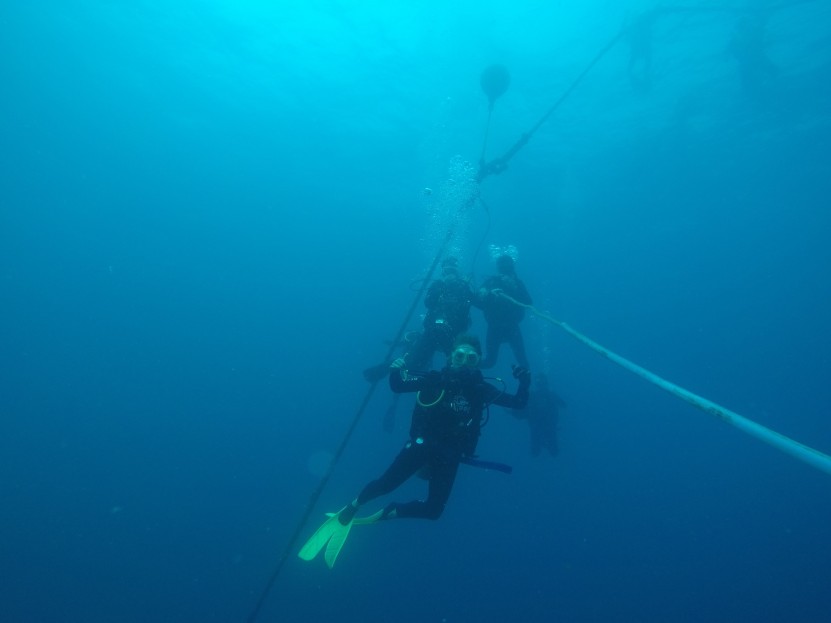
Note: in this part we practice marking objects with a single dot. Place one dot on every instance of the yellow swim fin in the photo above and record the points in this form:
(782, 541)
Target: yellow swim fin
(336, 541)
(321, 537)
(332, 535)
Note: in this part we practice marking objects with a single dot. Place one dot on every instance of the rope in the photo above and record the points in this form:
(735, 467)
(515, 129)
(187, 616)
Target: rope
(497, 165)
(809, 455)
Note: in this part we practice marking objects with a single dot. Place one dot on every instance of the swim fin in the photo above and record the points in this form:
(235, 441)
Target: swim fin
(332, 535)
(336, 541)
(323, 535)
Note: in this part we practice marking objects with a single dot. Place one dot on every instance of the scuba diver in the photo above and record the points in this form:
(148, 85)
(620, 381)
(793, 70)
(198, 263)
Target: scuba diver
(448, 303)
(503, 316)
(446, 424)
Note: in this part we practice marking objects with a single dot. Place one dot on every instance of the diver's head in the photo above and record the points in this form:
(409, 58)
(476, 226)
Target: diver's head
(505, 264)
(466, 353)
(450, 268)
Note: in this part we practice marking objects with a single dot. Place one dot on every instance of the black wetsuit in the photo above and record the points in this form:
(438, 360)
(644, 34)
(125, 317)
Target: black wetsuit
(445, 428)
(503, 317)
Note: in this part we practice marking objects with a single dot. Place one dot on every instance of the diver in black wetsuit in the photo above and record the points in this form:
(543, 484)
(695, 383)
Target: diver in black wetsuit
(503, 316)
(445, 428)
(448, 303)
(446, 424)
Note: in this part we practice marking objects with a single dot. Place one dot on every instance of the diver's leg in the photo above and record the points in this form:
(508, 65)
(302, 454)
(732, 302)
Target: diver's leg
(518, 346)
(442, 476)
(411, 458)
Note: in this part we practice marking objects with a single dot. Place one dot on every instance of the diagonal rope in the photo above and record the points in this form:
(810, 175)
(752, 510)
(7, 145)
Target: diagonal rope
(809, 455)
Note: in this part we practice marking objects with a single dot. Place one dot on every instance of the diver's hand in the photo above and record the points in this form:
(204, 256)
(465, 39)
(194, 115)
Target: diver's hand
(497, 291)
(399, 363)
(523, 375)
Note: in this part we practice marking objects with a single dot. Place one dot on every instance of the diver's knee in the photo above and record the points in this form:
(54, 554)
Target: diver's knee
(433, 511)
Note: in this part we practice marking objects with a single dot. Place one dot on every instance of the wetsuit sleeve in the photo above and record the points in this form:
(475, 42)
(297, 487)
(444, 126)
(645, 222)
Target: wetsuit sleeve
(490, 283)
(401, 382)
(512, 401)
(480, 296)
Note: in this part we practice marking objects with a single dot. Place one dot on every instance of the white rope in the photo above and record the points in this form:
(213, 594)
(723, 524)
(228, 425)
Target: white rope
(787, 445)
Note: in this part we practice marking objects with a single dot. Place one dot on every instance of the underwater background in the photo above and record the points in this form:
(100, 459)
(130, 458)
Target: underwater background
(214, 214)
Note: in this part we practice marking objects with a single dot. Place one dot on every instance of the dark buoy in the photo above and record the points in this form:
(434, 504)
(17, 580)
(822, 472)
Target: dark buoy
(495, 80)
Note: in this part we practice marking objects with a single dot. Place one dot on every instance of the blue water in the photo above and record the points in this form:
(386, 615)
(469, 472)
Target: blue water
(212, 215)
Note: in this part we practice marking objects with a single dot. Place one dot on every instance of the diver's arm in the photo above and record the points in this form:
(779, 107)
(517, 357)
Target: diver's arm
(483, 297)
(402, 381)
(512, 401)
